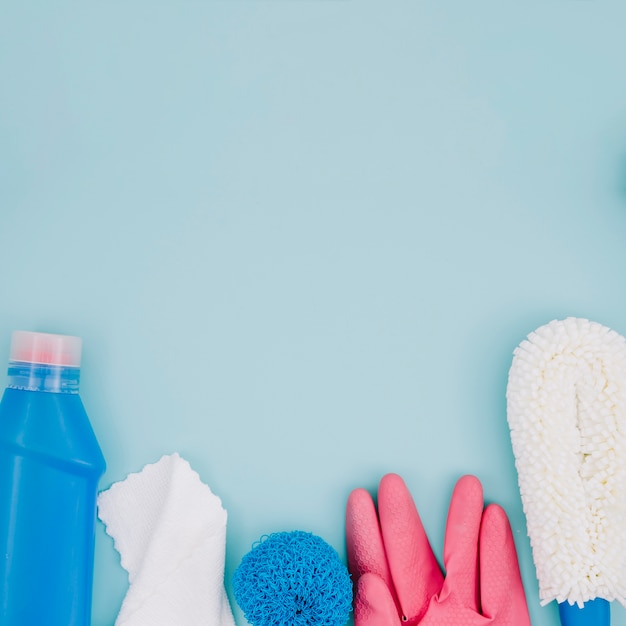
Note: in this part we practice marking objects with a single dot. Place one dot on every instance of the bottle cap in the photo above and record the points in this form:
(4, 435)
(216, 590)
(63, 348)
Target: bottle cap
(45, 348)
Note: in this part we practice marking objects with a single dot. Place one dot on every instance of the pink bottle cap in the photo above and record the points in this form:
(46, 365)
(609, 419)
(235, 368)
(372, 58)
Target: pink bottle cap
(45, 348)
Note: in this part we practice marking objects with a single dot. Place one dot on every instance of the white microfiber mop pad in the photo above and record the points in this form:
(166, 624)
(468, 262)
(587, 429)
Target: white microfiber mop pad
(170, 531)
(566, 405)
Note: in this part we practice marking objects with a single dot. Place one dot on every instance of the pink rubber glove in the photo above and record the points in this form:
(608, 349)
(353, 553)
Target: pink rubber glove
(398, 580)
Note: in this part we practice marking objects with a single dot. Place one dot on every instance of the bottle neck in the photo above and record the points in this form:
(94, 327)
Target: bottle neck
(42, 377)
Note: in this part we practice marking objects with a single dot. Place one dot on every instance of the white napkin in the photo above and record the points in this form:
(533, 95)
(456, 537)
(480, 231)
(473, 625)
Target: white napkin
(170, 531)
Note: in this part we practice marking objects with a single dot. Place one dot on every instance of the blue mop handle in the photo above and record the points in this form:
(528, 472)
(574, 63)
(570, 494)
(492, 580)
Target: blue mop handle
(596, 612)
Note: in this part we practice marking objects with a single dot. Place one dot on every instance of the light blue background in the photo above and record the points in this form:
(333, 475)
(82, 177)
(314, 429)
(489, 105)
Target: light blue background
(301, 239)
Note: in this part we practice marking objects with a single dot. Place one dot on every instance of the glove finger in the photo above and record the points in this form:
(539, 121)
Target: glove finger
(461, 544)
(414, 568)
(364, 543)
(373, 605)
(501, 587)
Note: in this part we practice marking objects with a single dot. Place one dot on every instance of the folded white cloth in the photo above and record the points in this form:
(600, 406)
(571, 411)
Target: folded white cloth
(170, 531)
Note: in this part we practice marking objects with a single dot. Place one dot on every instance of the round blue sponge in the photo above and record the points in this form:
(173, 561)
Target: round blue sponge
(293, 578)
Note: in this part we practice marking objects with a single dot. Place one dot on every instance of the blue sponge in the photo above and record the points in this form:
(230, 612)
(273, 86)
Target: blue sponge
(293, 578)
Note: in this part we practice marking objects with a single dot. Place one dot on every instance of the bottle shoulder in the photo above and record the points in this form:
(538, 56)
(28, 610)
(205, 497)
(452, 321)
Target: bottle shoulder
(54, 426)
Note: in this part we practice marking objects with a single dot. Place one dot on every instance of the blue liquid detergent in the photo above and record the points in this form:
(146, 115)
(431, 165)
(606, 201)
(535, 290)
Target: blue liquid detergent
(50, 465)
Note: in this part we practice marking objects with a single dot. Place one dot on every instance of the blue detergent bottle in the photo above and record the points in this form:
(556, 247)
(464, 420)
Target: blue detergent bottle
(50, 465)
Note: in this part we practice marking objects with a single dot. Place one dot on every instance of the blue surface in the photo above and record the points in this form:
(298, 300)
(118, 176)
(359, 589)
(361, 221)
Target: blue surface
(596, 612)
(301, 239)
